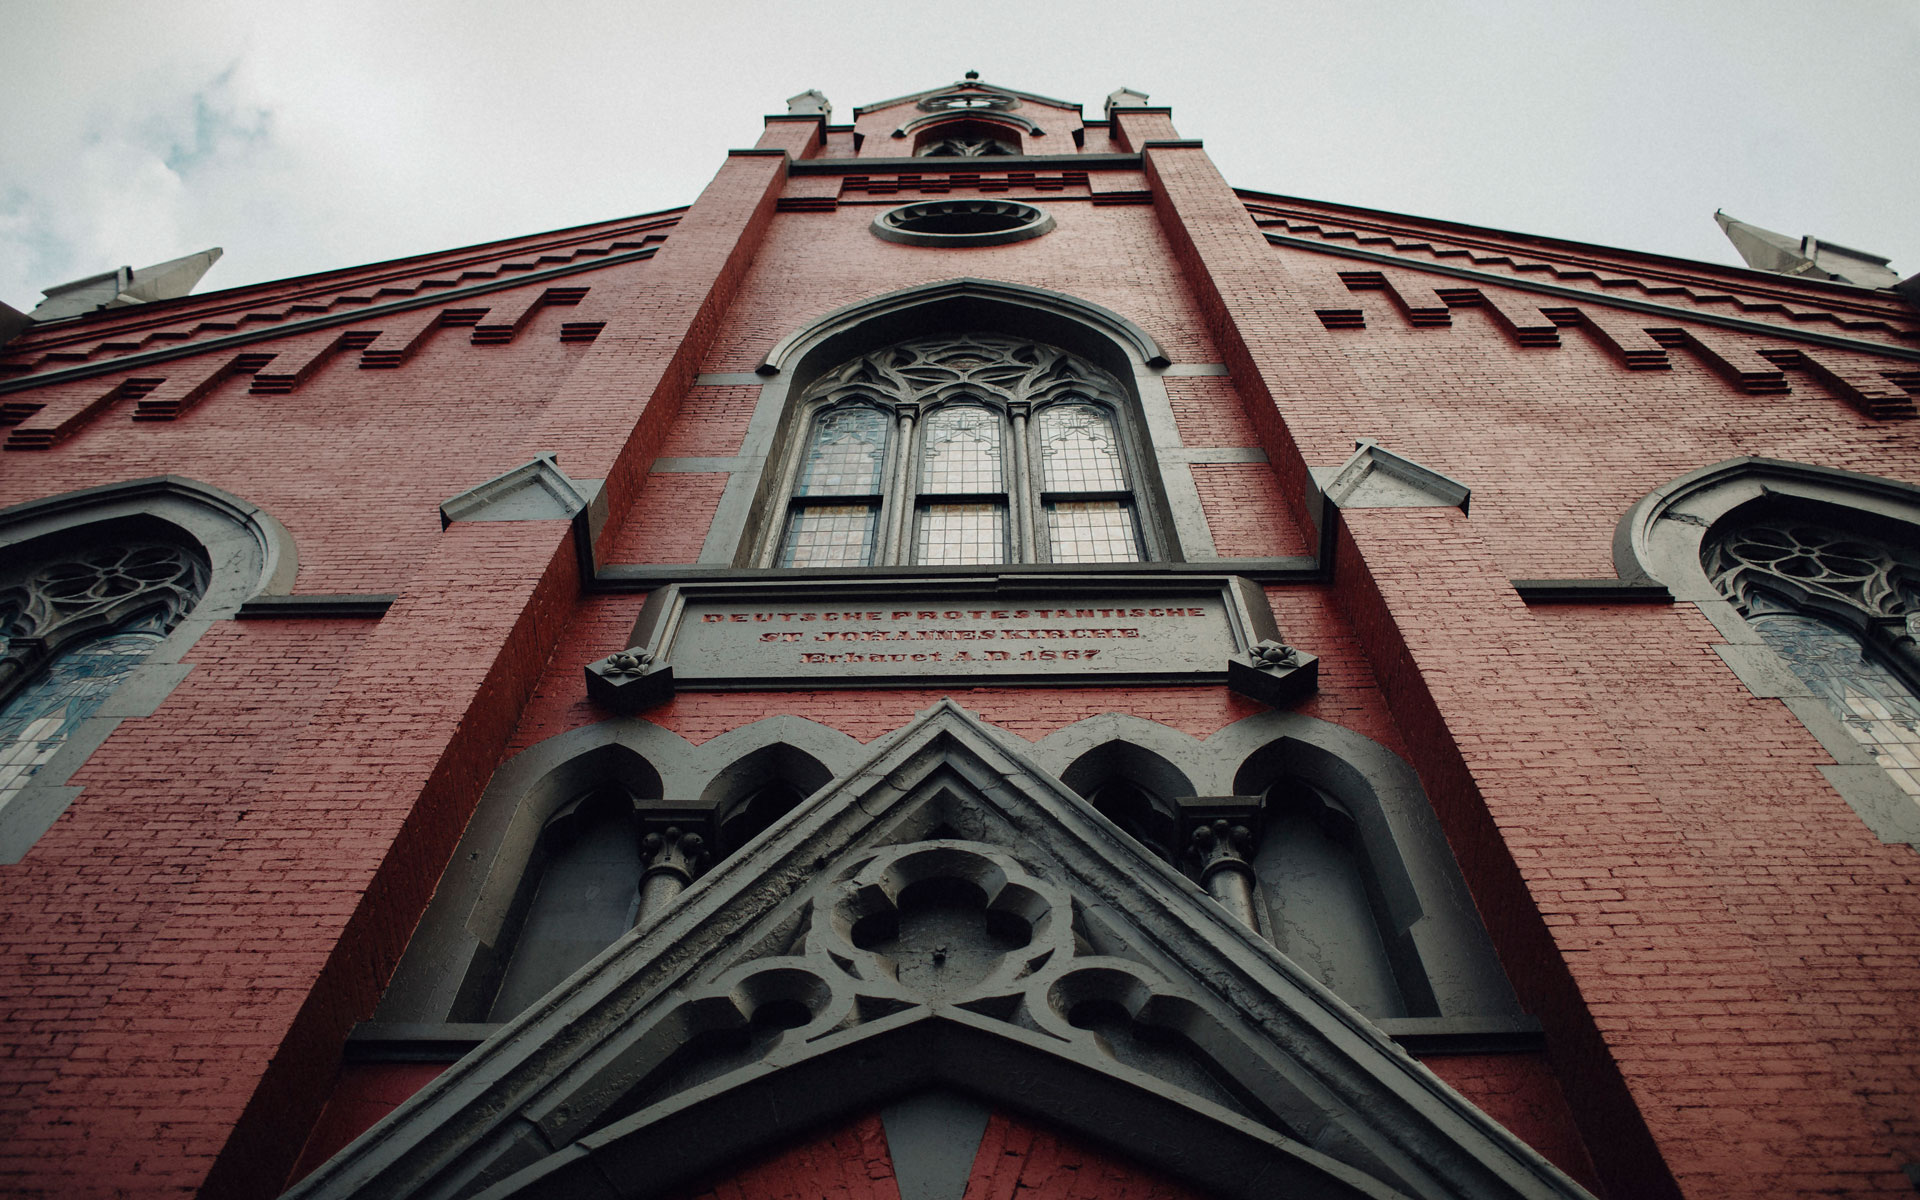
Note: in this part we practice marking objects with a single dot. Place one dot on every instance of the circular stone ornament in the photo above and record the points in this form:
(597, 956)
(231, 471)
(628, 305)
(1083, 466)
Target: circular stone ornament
(962, 223)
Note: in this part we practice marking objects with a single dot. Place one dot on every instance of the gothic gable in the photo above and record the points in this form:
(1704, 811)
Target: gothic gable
(944, 918)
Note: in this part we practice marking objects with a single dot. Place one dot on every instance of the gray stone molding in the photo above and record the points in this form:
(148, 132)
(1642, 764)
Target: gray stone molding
(681, 641)
(537, 490)
(448, 959)
(362, 605)
(1167, 496)
(1423, 893)
(1661, 539)
(1088, 983)
(248, 552)
(908, 223)
(820, 340)
(1375, 477)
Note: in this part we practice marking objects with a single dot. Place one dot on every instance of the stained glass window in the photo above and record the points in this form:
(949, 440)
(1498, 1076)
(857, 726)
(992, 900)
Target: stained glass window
(921, 453)
(961, 451)
(849, 445)
(830, 536)
(1079, 449)
(961, 535)
(845, 458)
(1084, 484)
(1782, 573)
(1873, 703)
(1091, 531)
(73, 626)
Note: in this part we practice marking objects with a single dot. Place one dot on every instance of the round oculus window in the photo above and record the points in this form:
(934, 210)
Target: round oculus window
(962, 223)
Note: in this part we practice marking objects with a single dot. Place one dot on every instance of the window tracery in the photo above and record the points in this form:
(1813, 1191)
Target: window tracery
(1842, 610)
(963, 146)
(72, 629)
(967, 450)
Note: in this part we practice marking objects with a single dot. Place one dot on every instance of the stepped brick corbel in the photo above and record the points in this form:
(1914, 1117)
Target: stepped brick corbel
(44, 426)
(1416, 300)
(406, 333)
(180, 392)
(1732, 360)
(1883, 396)
(1518, 318)
(1620, 337)
(504, 321)
(288, 371)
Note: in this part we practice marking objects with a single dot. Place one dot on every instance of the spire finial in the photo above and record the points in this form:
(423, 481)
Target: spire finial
(973, 74)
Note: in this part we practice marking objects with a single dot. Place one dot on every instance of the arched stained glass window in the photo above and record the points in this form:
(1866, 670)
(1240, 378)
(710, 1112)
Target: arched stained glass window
(72, 627)
(962, 517)
(1842, 610)
(1089, 510)
(836, 499)
(958, 451)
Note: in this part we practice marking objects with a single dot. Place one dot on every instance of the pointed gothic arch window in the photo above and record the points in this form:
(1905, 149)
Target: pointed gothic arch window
(77, 617)
(976, 449)
(1841, 607)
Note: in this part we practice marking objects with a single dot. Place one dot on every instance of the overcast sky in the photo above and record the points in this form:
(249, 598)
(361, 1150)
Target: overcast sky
(325, 134)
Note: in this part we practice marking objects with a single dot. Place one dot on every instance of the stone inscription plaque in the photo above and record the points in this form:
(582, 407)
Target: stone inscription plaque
(736, 638)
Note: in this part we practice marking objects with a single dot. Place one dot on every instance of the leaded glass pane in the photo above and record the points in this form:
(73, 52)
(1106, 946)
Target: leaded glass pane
(1092, 531)
(962, 451)
(836, 535)
(1079, 450)
(961, 534)
(43, 714)
(1873, 703)
(844, 459)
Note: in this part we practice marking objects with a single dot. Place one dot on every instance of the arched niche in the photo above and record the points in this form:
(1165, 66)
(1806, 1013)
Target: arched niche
(232, 549)
(1367, 814)
(1672, 534)
(1136, 788)
(1107, 339)
(537, 808)
(751, 793)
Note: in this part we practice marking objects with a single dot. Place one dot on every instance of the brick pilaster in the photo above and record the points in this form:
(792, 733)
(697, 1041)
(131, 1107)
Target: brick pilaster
(241, 1000)
(1528, 786)
(1612, 926)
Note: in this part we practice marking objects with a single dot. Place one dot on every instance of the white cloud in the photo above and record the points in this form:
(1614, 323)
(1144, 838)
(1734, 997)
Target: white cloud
(310, 137)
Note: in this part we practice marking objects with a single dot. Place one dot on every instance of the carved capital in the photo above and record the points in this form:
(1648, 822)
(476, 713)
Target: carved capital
(676, 850)
(1219, 832)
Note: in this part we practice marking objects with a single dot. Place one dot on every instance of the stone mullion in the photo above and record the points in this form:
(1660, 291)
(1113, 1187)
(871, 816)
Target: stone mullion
(897, 506)
(1023, 500)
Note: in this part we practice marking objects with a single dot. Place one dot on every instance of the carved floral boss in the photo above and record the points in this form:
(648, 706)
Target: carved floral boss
(994, 632)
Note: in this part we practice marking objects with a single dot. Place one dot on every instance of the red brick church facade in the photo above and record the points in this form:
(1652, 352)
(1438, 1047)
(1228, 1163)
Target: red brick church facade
(1083, 681)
